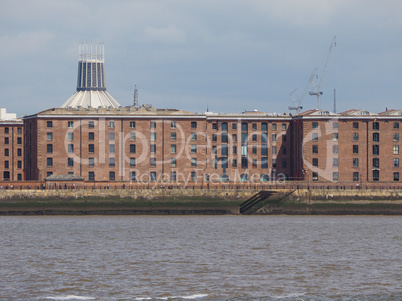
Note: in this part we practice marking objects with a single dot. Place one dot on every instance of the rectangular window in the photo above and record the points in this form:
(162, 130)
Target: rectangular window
(234, 126)
(224, 162)
(49, 173)
(91, 176)
(49, 136)
(355, 149)
(19, 177)
(6, 130)
(193, 124)
(335, 149)
(355, 175)
(112, 176)
(396, 125)
(244, 137)
(274, 149)
(49, 148)
(153, 161)
(254, 126)
(19, 130)
(91, 148)
(173, 148)
(264, 138)
(173, 136)
(91, 136)
(376, 175)
(111, 124)
(315, 149)
(274, 126)
(234, 137)
(284, 138)
(153, 125)
(376, 149)
(49, 162)
(173, 176)
(376, 162)
(355, 125)
(376, 137)
(173, 162)
(173, 124)
(19, 164)
(396, 162)
(314, 125)
(6, 164)
(335, 176)
(315, 137)
(193, 148)
(19, 152)
(355, 162)
(132, 148)
(273, 163)
(70, 124)
(132, 162)
(315, 162)
(153, 148)
(224, 150)
(70, 136)
(335, 137)
(214, 150)
(111, 162)
(335, 162)
(214, 126)
(193, 136)
(224, 138)
(376, 126)
(264, 150)
(273, 137)
(132, 124)
(70, 148)
(335, 125)
(234, 163)
(283, 126)
(111, 136)
(264, 127)
(355, 136)
(91, 124)
(132, 136)
(244, 150)
(193, 162)
(396, 136)
(91, 162)
(254, 163)
(396, 176)
(234, 150)
(244, 162)
(70, 162)
(264, 162)
(49, 124)
(112, 148)
(395, 149)
(6, 140)
(6, 152)
(244, 127)
(153, 136)
(132, 175)
(254, 137)
(315, 176)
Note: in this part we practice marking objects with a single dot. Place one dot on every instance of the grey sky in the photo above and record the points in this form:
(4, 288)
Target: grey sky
(186, 54)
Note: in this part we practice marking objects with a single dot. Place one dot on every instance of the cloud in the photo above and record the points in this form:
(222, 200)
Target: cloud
(168, 35)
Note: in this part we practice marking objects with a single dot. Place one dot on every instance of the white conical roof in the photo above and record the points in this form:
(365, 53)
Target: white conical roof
(91, 98)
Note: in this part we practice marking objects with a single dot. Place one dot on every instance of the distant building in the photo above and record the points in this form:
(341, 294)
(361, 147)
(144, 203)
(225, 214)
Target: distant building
(12, 146)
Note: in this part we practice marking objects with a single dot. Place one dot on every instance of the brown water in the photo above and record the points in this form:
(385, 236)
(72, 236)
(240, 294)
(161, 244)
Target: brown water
(201, 258)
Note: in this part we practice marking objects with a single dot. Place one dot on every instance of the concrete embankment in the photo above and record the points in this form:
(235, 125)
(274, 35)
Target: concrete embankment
(196, 201)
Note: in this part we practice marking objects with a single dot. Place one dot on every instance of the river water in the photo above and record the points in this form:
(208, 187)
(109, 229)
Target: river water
(201, 258)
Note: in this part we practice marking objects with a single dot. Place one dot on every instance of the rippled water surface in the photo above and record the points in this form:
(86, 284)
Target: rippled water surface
(201, 258)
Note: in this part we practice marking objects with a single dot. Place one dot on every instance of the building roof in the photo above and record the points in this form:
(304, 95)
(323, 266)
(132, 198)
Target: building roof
(91, 98)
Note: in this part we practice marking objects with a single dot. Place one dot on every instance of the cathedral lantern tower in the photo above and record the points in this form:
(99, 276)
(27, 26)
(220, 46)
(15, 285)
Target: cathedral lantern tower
(91, 86)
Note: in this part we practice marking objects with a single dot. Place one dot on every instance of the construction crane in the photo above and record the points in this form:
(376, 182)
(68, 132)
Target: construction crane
(317, 88)
(297, 103)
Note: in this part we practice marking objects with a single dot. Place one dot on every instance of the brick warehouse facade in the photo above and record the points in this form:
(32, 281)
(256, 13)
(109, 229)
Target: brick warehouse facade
(165, 145)
(146, 144)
